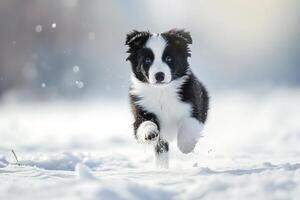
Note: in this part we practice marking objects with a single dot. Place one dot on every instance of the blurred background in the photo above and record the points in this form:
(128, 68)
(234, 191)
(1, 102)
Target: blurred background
(75, 49)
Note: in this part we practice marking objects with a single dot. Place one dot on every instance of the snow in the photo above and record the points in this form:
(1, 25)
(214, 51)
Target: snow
(83, 172)
(250, 150)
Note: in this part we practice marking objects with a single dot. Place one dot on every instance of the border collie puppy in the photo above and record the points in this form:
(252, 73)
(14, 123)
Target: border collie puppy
(167, 100)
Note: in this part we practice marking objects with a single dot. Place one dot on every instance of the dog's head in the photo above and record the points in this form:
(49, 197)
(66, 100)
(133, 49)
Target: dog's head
(159, 59)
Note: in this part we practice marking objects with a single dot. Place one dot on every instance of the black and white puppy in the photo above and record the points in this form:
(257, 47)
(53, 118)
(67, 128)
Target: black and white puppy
(167, 99)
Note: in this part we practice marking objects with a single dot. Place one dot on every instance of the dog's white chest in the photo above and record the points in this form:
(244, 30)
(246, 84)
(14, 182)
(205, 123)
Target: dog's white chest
(165, 103)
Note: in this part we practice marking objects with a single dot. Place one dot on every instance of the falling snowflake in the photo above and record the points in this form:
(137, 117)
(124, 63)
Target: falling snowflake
(43, 85)
(53, 25)
(79, 84)
(38, 28)
(76, 69)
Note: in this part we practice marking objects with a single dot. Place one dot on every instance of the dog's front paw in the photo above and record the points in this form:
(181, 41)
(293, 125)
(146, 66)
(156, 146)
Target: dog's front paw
(147, 132)
(151, 135)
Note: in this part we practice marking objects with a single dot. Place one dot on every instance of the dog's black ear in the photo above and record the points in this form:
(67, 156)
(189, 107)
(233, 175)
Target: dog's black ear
(136, 38)
(180, 38)
(179, 35)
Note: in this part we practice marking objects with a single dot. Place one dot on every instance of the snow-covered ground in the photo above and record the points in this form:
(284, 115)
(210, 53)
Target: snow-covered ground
(250, 150)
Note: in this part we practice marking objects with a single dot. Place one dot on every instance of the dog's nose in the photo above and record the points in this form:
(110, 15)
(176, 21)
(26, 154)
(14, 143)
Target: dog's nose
(159, 76)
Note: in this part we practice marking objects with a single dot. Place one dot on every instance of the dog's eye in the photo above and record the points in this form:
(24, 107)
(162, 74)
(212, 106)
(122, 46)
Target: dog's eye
(148, 60)
(168, 59)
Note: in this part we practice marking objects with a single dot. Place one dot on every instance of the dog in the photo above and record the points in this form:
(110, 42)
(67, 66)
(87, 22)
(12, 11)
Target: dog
(167, 100)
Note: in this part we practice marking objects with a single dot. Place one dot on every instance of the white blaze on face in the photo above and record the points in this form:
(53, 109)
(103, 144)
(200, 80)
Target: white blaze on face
(158, 44)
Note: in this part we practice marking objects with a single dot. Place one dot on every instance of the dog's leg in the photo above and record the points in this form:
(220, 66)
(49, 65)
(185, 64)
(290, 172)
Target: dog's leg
(146, 127)
(146, 130)
(148, 133)
(188, 135)
(161, 152)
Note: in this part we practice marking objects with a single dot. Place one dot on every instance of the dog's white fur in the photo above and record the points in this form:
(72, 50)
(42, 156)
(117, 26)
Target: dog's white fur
(173, 114)
(188, 135)
(158, 44)
(162, 160)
